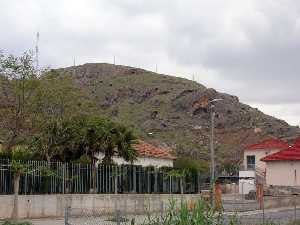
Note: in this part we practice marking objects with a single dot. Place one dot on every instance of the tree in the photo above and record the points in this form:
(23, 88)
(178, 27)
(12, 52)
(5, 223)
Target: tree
(96, 135)
(58, 97)
(69, 139)
(20, 77)
(48, 143)
(192, 165)
(91, 135)
(35, 99)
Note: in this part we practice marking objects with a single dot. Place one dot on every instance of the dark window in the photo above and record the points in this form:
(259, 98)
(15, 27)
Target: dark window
(250, 162)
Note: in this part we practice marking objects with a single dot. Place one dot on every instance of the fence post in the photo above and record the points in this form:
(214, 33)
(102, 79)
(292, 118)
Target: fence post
(260, 195)
(25, 186)
(134, 179)
(67, 214)
(118, 217)
(63, 180)
(295, 206)
(181, 185)
(161, 210)
(116, 179)
(155, 181)
(170, 185)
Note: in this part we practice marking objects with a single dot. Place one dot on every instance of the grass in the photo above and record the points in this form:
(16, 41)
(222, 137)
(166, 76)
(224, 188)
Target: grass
(196, 213)
(186, 214)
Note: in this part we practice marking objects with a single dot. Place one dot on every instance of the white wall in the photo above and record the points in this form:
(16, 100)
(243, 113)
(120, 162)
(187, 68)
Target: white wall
(142, 161)
(259, 154)
(283, 173)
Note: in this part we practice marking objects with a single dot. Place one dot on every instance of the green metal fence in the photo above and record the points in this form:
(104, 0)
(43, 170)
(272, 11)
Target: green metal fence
(80, 178)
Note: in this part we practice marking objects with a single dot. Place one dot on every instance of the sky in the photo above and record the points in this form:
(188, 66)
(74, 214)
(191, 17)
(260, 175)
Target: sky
(248, 48)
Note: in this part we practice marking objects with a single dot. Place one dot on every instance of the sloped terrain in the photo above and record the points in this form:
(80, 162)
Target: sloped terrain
(173, 112)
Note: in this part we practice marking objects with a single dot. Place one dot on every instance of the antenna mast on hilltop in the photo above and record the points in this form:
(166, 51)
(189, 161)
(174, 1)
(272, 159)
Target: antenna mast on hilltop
(37, 51)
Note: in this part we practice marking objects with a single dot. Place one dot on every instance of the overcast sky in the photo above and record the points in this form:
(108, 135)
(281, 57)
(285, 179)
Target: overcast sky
(248, 48)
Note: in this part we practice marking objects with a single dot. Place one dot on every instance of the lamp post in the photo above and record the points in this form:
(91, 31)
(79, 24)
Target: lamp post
(212, 149)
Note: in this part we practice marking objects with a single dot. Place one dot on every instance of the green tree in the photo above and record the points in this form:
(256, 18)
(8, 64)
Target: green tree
(192, 165)
(94, 135)
(50, 141)
(58, 97)
(69, 139)
(19, 77)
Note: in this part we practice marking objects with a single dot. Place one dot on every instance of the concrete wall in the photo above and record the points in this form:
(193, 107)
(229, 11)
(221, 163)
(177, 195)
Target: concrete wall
(259, 154)
(285, 173)
(142, 161)
(38, 206)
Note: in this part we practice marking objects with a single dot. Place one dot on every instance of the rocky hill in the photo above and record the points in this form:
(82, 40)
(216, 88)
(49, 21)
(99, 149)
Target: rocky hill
(170, 111)
(173, 112)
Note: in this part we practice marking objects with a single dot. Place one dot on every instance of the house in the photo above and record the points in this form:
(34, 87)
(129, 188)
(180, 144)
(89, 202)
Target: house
(255, 152)
(254, 169)
(148, 155)
(283, 167)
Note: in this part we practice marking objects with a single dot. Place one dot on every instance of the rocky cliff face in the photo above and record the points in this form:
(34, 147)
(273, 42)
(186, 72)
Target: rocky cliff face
(173, 111)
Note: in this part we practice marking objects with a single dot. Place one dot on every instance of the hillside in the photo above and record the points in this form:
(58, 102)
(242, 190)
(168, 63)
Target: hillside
(171, 111)
(165, 110)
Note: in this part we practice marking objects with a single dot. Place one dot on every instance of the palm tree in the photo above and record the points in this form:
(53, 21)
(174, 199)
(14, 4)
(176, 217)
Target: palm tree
(97, 135)
(101, 135)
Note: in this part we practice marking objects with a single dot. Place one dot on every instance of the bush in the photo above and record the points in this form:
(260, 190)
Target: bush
(200, 213)
(192, 165)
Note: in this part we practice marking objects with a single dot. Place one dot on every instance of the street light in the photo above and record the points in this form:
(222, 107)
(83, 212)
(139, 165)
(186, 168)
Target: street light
(212, 149)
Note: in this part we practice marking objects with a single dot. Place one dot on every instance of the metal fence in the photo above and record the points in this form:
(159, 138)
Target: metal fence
(85, 216)
(79, 178)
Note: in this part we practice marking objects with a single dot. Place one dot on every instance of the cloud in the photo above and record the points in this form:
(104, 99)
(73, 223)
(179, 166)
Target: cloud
(247, 48)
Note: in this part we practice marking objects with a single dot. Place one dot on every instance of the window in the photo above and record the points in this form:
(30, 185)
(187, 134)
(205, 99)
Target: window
(250, 162)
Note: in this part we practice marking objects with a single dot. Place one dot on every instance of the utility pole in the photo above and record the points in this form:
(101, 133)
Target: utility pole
(212, 154)
(212, 149)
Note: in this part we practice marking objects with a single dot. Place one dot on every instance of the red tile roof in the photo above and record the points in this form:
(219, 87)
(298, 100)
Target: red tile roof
(268, 144)
(292, 153)
(148, 150)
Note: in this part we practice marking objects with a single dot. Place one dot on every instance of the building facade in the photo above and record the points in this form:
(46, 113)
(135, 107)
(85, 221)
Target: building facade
(283, 167)
(254, 153)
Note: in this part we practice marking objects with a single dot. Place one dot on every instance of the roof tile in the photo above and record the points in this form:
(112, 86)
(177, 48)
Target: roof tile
(292, 153)
(146, 149)
(268, 144)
